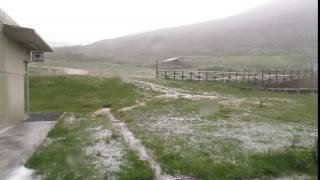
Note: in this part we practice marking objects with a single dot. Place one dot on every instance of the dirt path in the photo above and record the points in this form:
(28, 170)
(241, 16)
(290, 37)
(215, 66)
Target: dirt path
(225, 100)
(65, 70)
(136, 145)
(138, 104)
(172, 92)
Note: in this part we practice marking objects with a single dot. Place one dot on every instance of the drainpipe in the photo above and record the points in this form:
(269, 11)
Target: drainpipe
(26, 85)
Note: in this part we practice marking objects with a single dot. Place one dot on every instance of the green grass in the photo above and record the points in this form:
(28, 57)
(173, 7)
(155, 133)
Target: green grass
(267, 165)
(95, 67)
(179, 157)
(298, 60)
(64, 158)
(271, 164)
(178, 153)
(78, 93)
(253, 63)
(174, 152)
(286, 162)
(301, 108)
(135, 169)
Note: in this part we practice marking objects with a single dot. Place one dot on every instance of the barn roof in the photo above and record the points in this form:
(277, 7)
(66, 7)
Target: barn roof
(171, 59)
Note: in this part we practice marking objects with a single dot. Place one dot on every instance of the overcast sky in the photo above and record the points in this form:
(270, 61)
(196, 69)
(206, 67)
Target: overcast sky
(86, 21)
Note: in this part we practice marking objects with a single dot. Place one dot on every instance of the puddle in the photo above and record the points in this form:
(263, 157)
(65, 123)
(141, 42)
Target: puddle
(23, 173)
(71, 119)
(69, 71)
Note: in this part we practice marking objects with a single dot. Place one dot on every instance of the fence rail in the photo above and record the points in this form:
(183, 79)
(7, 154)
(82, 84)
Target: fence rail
(265, 77)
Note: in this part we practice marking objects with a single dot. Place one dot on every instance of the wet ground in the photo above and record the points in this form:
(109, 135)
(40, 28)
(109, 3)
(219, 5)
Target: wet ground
(65, 70)
(20, 141)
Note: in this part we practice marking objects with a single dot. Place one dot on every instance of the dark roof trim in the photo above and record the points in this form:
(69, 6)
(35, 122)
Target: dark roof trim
(27, 37)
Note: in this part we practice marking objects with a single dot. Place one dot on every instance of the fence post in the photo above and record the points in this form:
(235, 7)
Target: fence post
(182, 75)
(199, 75)
(269, 77)
(222, 76)
(174, 75)
(214, 76)
(191, 75)
(305, 73)
(236, 76)
(255, 78)
(229, 76)
(157, 69)
(262, 76)
(277, 76)
(243, 74)
(206, 76)
(165, 74)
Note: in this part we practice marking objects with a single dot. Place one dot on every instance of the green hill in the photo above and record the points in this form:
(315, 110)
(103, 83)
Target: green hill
(287, 27)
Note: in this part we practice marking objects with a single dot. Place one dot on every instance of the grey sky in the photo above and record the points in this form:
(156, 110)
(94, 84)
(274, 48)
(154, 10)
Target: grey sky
(85, 21)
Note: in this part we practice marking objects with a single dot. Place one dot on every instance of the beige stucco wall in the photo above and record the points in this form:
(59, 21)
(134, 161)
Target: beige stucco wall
(12, 57)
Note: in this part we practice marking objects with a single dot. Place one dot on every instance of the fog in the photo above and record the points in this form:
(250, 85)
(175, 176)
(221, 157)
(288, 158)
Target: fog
(80, 22)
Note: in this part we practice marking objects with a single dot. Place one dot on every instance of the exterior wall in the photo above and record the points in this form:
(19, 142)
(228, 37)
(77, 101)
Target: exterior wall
(12, 70)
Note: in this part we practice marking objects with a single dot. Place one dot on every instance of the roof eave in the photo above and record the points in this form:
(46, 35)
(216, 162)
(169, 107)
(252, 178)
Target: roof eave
(27, 36)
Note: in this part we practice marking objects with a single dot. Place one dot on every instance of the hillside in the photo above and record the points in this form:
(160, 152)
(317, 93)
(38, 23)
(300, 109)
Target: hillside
(274, 28)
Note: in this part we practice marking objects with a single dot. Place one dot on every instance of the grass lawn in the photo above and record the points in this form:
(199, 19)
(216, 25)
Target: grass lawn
(230, 137)
(81, 146)
(253, 63)
(233, 136)
(79, 93)
(302, 108)
(97, 68)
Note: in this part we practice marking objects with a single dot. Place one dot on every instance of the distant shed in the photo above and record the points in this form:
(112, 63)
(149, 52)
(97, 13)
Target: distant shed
(174, 63)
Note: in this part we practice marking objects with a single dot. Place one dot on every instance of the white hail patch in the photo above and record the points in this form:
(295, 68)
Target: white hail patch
(143, 153)
(23, 173)
(108, 154)
(264, 136)
(71, 119)
(254, 136)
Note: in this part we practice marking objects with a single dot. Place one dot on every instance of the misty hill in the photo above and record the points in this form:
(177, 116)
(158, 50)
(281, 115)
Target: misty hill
(274, 28)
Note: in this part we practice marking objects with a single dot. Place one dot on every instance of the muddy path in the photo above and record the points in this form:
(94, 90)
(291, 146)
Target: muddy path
(175, 93)
(222, 99)
(65, 70)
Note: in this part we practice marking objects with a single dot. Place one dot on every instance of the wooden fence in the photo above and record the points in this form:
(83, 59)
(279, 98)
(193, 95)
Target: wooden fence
(265, 77)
